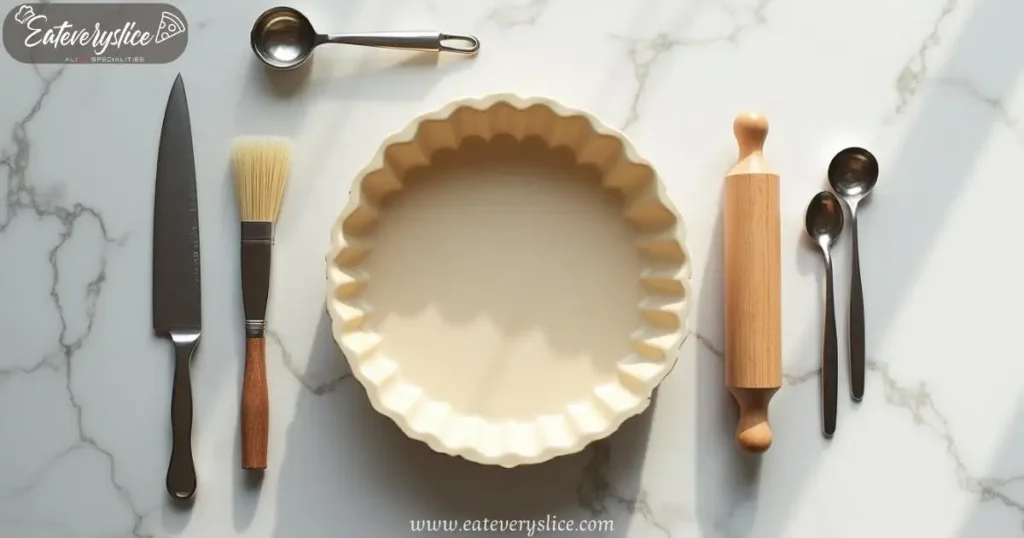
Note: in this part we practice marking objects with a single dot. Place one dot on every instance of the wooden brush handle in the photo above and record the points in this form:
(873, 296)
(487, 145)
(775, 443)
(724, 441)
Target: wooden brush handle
(255, 405)
(751, 235)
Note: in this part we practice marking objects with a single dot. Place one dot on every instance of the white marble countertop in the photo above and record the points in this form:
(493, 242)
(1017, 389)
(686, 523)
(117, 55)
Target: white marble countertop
(933, 88)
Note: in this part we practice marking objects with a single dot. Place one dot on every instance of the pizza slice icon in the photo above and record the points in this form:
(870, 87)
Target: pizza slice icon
(170, 26)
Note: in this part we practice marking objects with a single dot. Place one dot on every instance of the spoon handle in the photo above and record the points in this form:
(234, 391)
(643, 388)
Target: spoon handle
(856, 320)
(429, 41)
(829, 356)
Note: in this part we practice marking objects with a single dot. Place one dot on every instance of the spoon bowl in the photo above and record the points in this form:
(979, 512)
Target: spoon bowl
(853, 172)
(824, 220)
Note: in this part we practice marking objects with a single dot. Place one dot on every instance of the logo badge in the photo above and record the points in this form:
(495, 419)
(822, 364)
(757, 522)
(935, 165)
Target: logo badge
(39, 33)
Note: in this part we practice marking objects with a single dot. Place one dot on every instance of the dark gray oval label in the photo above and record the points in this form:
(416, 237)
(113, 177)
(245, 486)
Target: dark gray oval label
(95, 33)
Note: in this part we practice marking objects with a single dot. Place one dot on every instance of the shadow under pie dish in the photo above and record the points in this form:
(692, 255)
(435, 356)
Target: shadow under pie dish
(508, 281)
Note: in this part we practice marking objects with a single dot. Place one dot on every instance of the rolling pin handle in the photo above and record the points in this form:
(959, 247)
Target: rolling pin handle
(751, 130)
(753, 433)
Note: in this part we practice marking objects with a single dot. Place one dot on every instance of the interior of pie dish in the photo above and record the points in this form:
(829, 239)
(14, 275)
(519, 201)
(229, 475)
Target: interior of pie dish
(509, 281)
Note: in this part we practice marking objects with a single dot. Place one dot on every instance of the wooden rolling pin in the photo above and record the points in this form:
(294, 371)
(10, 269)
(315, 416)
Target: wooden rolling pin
(751, 236)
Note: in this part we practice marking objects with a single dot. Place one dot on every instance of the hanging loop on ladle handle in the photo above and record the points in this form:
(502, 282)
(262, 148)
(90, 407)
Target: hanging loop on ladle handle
(429, 41)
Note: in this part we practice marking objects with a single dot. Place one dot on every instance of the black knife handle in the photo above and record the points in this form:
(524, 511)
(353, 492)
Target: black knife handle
(181, 471)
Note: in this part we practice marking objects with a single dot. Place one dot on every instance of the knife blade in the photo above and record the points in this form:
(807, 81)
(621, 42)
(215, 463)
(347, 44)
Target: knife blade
(177, 298)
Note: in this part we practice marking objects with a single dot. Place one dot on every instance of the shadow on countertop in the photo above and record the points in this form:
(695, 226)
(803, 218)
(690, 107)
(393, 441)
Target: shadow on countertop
(985, 42)
(348, 469)
(724, 474)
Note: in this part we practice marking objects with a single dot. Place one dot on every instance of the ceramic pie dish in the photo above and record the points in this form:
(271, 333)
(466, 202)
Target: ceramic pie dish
(508, 281)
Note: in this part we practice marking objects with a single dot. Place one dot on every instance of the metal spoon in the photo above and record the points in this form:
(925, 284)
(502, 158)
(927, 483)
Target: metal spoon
(283, 38)
(824, 223)
(852, 174)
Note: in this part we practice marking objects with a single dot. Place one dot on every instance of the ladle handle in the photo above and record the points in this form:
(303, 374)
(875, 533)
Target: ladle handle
(431, 41)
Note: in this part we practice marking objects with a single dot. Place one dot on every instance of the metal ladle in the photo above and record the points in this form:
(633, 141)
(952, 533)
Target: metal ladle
(852, 173)
(824, 223)
(283, 38)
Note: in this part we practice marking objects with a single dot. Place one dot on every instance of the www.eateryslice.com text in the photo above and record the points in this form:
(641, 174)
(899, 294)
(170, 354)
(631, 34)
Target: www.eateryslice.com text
(528, 527)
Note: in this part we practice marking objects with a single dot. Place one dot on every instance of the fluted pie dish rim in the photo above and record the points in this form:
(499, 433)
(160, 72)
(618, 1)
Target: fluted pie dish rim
(664, 280)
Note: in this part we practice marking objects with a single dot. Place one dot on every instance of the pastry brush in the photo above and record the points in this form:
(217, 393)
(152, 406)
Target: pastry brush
(260, 166)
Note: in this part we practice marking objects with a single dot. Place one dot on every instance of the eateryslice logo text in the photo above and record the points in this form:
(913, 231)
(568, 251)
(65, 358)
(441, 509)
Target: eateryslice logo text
(46, 34)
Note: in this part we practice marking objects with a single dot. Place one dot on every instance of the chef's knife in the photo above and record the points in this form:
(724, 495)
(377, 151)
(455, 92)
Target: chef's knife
(176, 280)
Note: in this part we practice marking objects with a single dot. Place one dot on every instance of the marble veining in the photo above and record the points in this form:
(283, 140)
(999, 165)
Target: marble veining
(933, 88)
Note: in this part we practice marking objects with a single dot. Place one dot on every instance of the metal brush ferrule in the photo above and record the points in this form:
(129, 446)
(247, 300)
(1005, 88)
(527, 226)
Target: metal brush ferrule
(257, 240)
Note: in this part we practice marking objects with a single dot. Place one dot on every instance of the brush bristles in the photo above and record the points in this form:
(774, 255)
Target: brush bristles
(260, 165)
